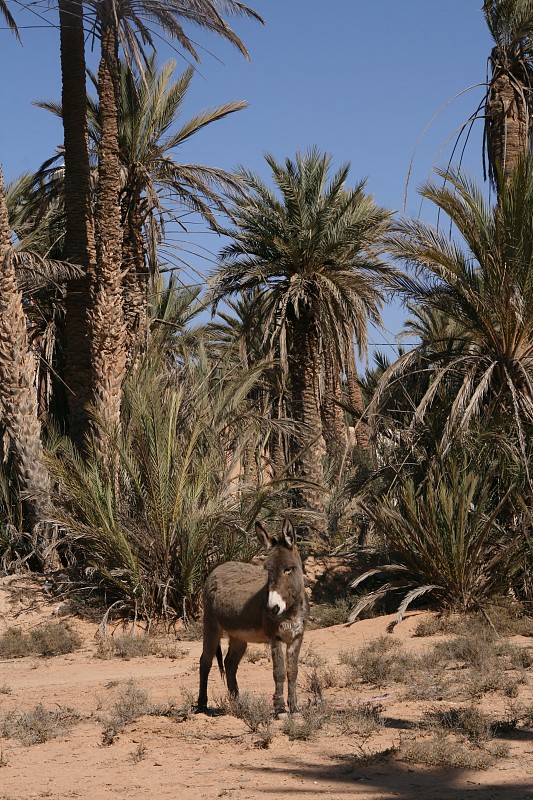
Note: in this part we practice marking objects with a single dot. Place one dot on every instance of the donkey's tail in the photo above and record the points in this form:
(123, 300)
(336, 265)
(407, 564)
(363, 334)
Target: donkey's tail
(221, 663)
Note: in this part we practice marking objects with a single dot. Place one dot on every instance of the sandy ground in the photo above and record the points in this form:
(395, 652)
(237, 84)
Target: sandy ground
(217, 756)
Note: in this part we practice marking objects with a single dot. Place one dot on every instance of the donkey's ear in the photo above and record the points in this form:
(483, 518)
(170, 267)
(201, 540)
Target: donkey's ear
(263, 535)
(288, 533)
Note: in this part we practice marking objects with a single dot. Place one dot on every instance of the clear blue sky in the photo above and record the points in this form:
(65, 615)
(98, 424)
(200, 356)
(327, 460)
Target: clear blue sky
(361, 80)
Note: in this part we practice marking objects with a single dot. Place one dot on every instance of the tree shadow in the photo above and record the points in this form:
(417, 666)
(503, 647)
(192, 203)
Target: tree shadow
(381, 775)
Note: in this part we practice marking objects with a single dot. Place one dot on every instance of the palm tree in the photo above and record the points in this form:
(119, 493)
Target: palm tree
(312, 254)
(480, 295)
(509, 99)
(18, 396)
(149, 107)
(127, 23)
(79, 245)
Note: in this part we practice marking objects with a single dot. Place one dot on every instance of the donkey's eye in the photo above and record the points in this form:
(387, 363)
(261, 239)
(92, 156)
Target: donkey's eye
(288, 571)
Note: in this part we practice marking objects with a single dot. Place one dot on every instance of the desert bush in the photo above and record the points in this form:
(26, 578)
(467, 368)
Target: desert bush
(139, 753)
(254, 654)
(178, 711)
(14, 644)
(324, 615)
(362, 719)
(54, 639)
(506, 619)
(321, 678)
(127, 646)
(38, 725)
(308, 723)
(443, 750)
(130, 704)
(470, 721)
(50, 639)
(256, 713)
(380, 662)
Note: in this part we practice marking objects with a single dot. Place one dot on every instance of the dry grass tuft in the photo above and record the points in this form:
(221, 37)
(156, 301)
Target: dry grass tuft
(127, 646)
(507, 619)
(38, 725)
(470, 721)
(307, 724)
(131, 704)
(139, 753)
(363, 719)
(257, 714)
(443, 750)
(379, 663)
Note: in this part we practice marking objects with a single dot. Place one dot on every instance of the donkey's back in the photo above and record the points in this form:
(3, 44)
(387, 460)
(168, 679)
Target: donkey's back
(257, 604)
(235, 600)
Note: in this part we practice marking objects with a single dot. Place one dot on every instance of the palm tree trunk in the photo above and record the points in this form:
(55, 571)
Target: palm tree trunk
(108, 355)
(308, 447)
(79, 233)
(18, 400)
(136, 280)
(333, 423)
(507, 127)
(355, 399)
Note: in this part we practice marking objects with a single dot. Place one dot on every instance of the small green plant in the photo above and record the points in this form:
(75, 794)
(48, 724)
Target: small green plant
(445, 539)
(324, 615)
(38, 725)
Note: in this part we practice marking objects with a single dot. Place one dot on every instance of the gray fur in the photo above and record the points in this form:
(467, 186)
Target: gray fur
(247, 601)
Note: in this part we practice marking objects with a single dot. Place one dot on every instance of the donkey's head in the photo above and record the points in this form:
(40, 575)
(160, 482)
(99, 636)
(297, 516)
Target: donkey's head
(284, 567)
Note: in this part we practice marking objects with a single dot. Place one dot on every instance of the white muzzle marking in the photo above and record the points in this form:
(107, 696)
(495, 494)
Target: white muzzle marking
(274, 599)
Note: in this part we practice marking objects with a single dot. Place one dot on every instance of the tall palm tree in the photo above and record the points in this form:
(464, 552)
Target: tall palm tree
(79, 245)
(480, 294)
(128, 23)
(509, 99)
(153, 182)
(310, 249)
(18, 395)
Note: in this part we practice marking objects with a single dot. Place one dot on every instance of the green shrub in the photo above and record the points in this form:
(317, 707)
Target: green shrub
(444, 539)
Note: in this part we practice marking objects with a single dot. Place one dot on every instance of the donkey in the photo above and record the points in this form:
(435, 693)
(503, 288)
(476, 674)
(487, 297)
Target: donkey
(252, 603)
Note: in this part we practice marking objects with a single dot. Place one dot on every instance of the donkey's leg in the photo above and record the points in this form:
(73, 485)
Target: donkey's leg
(278, 668)
(212, 636)
(293, 652)
(236, 650)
